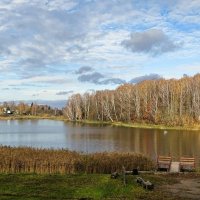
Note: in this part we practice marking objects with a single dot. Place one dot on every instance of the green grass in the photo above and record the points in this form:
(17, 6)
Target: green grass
(29, 186)
(79, 186)
(62, 187)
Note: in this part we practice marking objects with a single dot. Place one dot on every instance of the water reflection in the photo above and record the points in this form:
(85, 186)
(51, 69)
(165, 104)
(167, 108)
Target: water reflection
(90, 138)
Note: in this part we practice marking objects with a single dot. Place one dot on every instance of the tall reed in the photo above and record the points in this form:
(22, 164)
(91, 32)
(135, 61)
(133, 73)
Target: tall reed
(50, 161)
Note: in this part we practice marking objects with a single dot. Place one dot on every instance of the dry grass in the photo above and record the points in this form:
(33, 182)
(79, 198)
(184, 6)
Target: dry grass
(48, 161)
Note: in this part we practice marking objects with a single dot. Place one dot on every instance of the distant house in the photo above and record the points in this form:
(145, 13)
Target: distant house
(7, 111)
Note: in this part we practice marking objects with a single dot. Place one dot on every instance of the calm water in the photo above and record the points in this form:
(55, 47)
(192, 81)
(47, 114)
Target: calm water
(90, 138)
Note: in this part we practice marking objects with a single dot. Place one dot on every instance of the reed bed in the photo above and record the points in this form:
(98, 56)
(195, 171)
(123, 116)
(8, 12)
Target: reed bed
(50, 161)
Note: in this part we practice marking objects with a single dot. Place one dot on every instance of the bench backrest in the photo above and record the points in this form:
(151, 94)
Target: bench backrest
(166, 159)
(187, 161)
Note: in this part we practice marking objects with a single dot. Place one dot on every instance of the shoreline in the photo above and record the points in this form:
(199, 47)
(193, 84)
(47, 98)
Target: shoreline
(119, 124)
(31, 117)
(141, 125)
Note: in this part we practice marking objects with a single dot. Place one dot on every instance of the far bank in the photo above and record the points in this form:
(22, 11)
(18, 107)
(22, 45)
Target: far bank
(195, 127)
(141, 125)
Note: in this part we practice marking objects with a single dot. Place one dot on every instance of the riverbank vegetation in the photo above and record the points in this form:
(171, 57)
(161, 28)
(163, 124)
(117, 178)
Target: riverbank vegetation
(195, 127)
(49, 161)
(163, 102)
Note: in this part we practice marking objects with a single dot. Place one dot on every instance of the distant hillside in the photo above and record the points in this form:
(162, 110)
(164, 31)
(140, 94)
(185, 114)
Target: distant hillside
(53, 103)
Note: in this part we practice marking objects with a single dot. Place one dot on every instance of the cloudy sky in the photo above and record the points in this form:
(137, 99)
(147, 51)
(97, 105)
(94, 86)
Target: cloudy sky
(50, 49)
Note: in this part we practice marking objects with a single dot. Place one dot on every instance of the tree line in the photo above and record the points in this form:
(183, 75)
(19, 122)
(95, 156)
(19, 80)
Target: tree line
(170, 102)
(22, 108)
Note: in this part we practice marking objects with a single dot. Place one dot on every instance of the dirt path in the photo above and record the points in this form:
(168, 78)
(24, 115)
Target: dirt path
(186, 189)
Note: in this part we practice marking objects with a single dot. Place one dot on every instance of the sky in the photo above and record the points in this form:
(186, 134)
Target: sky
(51, 49)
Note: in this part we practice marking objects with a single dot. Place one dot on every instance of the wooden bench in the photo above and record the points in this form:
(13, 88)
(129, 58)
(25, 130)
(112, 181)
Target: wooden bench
(187, 164)
(164, 163)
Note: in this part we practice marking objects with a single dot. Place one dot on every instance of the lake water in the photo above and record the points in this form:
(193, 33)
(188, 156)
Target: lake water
(94, 138)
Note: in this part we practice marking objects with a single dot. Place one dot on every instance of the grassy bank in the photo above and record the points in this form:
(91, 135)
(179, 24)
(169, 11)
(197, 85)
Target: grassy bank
(49, 161)
(86, 187)
(142, 125)
(153, 126)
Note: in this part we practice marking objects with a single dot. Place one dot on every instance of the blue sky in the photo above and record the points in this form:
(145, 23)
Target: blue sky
(50, 49)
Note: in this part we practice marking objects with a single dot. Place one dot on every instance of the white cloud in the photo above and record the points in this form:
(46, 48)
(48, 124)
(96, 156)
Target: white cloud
(184, 12)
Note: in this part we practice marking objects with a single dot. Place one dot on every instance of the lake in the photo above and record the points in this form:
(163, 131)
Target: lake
(96, 138)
